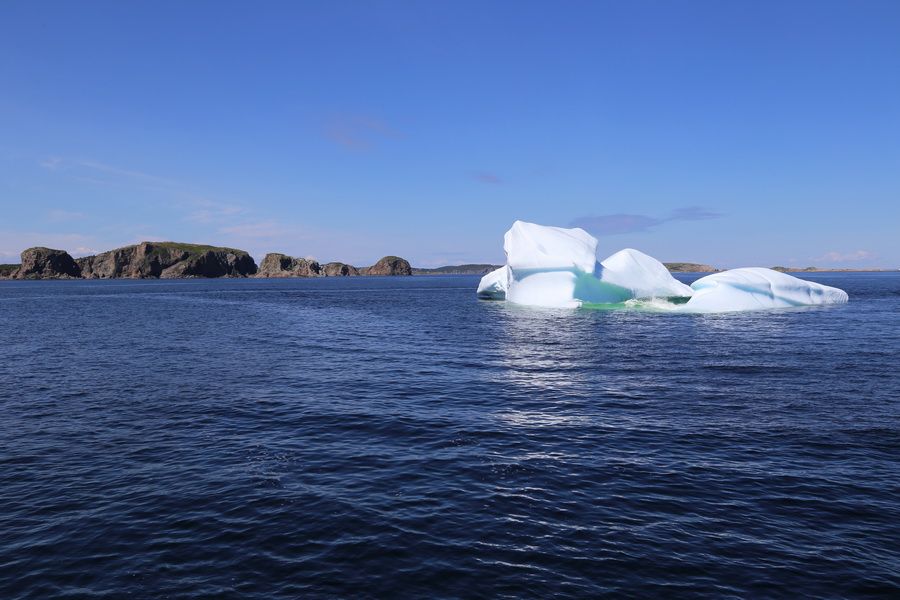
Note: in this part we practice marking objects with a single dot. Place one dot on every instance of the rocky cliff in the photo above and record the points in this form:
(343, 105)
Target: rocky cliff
(282, 265)
(339, 269)
(682, 267)
(7, 271)
(173, 260)
(389, 265)
(45, 263)
(167, 260)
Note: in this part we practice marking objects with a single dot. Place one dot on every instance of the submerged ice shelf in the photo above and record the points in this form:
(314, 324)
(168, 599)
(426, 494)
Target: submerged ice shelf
(558, 267)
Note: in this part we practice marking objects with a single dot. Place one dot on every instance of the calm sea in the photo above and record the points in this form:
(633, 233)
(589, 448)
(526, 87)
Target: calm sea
(396, 437)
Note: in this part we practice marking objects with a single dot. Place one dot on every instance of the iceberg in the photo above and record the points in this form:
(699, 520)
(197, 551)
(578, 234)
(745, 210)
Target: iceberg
(493, 285)
(755, 288)
(530, 247)
(545, 263)
(642, 276)
(557, 267)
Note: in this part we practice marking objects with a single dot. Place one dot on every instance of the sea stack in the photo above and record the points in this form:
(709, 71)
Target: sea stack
(46, 263)
(389, 265)
(282, 265)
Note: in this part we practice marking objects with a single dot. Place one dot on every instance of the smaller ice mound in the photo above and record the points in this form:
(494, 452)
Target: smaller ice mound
(756, 288)
(493, 286)
(628, 275)
(642, 276)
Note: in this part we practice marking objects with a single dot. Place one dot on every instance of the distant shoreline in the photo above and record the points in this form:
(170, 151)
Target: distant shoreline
(175, 260)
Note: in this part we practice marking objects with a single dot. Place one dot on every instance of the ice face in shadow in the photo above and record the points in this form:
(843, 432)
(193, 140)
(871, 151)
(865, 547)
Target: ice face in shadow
(557, 267)
(493, 286)
(756, 288)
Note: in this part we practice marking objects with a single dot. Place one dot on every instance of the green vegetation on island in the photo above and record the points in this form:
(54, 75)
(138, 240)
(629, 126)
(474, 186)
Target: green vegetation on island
(688, 267)
(468, 269)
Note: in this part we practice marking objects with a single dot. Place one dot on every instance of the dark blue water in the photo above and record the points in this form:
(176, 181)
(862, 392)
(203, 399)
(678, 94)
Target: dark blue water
(395, 437)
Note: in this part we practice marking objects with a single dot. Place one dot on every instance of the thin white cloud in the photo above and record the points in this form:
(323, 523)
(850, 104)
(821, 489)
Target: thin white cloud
(94, 165)
(211, 211)
(631, 223)
(258, 230)
(60, 215)
(359, 132)
(52, 163)
(195, 206)
(844, 257)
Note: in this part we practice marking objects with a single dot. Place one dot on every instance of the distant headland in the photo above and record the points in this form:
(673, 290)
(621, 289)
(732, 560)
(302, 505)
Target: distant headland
(177, 260)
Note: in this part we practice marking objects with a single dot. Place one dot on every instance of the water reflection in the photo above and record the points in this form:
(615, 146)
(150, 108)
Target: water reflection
(543, 350)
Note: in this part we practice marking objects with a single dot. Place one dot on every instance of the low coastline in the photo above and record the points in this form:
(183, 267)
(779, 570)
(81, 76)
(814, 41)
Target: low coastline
(177, 260)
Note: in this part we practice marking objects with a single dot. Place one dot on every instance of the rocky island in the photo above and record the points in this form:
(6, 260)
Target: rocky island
(45, 263)
(468, 269)
(176, 260)
(689, 267)
(282, 265)
(167, 260)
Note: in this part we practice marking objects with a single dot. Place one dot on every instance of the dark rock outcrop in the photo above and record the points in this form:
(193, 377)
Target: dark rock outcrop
(173, 260)
(389, 265)
(7, 271)
(339, 269)
(167, 260)
(46, 263)
(282, 265)
(685, 267)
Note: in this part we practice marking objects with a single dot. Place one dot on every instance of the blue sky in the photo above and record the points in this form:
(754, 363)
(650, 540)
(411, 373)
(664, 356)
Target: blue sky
(735, 133)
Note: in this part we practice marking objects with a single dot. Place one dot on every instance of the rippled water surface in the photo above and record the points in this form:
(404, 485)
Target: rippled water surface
(396, 437)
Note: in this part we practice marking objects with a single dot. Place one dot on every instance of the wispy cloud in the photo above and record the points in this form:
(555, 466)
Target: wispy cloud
(487, 177)
(258, 230)
(196, 206)
(693, 213)
(59, 215)
(845, 257)
(211, 211)
(620, 223)
(129, 173)
(51, 163)
(58, 163)
(357, 132)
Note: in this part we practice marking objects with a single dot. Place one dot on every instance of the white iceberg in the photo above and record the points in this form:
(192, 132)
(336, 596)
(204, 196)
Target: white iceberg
(493, 286)
(642, 276)
(755, 288)
(558, 267)
(530, 247)
(545, 263)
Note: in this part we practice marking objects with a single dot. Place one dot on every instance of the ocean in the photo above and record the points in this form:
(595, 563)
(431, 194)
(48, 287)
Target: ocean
(398, 438)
